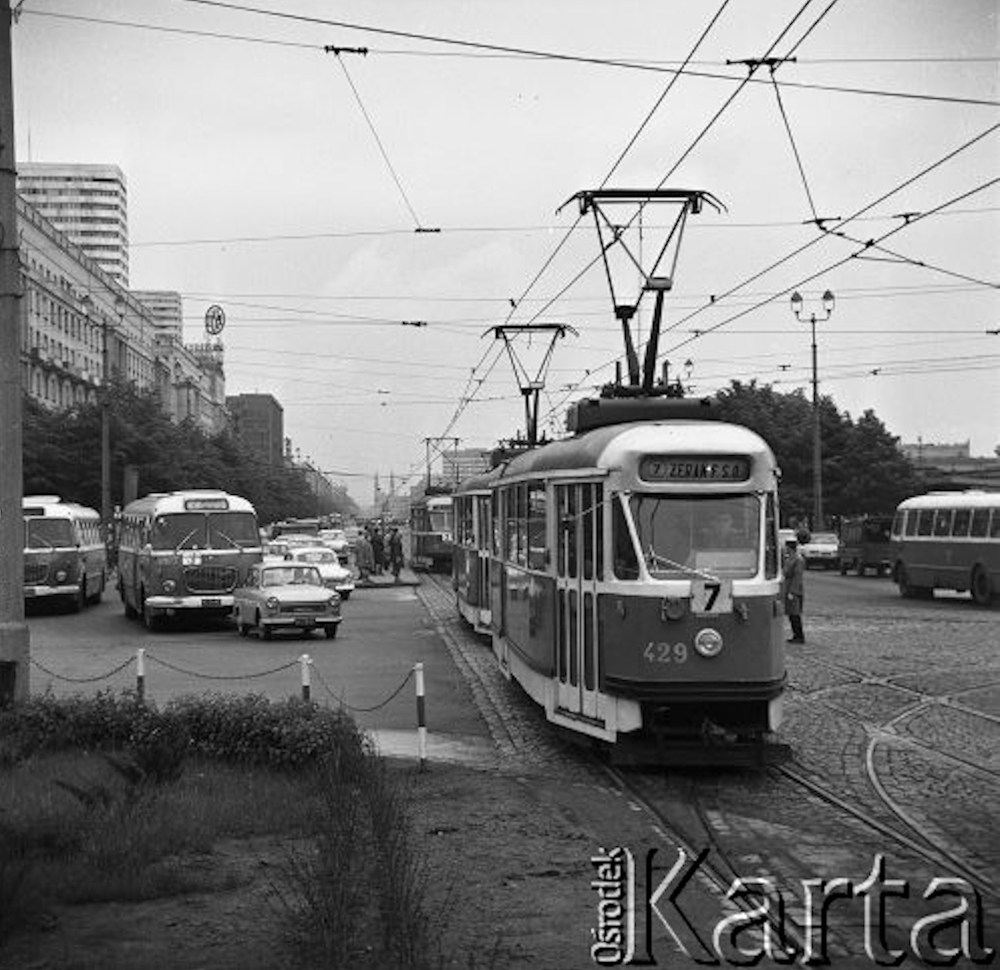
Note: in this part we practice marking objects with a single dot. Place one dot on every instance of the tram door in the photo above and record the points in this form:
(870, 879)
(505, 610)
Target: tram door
(579, 551)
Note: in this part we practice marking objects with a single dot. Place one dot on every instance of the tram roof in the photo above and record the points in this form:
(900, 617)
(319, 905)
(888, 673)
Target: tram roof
(606, 447)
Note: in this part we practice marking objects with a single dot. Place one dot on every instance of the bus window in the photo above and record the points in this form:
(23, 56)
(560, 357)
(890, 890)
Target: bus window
(995, 525)
(912, 521)
(48, 534)
(236, 529)
(960, 527)
(980, 523)
(897, 524)
(942, 522)
(925, 522)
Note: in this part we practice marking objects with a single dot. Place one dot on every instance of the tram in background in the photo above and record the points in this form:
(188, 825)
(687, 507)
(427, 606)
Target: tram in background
(432, 530)
(629, 578)
(183, 553)
(947, 540)
(64, 554)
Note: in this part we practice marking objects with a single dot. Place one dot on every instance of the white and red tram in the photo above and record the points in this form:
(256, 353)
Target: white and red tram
(630, 579)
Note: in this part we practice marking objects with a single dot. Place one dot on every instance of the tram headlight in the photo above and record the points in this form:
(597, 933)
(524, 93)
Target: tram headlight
(708, 642)
(169, 586)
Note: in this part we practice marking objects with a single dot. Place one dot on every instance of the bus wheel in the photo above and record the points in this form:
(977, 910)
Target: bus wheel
(149, 619)
(79, 601)
(331, 632)
(982, 591)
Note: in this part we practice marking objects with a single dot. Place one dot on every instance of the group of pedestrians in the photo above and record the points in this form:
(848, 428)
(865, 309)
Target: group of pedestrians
(376, 553)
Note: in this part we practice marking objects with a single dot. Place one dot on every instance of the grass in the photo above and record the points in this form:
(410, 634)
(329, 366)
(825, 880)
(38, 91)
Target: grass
(108, 799)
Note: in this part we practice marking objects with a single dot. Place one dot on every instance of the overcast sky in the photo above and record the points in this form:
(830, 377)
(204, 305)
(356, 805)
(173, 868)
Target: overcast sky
(286, 183)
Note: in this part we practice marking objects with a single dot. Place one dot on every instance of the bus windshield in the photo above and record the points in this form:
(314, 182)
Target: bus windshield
(201, 530)
(48, 533)
(682, 535)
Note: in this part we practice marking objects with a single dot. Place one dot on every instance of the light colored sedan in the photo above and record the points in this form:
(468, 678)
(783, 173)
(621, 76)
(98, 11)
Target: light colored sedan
(285, 596)
(335, 575)
(822, 549)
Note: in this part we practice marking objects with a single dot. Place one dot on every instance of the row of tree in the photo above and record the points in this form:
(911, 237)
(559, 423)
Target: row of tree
(62, 456)
(863, 469)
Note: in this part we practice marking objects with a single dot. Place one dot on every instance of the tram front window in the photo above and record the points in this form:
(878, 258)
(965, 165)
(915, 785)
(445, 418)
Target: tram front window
(686, 535)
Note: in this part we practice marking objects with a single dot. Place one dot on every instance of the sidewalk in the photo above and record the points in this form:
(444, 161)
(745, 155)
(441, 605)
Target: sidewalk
(407, 577)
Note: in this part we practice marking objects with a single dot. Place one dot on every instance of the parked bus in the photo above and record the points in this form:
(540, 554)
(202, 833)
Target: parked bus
(185, 553)
(64, 555)
(864, 544)
(948, 540)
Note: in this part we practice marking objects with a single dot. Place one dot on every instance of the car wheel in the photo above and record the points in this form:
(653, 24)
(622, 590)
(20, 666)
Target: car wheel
(331, 632)
(346, 595)
(982, 591)
(242, 628)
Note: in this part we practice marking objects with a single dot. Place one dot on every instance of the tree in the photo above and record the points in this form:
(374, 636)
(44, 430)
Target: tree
(864, 470)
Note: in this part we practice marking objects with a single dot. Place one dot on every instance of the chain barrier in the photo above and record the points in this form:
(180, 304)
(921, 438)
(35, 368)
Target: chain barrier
(82, 680)
(195, 673)
(361, 710)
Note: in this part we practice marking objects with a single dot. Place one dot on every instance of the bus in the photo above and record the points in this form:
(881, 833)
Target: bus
(183, 553)
(64, 555)
(947, 540)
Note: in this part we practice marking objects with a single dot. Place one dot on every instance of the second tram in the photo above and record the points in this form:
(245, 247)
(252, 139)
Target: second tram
(183, 553)
(630, 580)
(431, 531)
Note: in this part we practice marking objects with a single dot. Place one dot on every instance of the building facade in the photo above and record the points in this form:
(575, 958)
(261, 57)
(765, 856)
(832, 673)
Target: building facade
(258, 421)
(88, 204)
(166, 309)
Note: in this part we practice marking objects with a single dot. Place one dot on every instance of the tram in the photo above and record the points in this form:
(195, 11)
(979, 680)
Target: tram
(629, 579)
(431, 531)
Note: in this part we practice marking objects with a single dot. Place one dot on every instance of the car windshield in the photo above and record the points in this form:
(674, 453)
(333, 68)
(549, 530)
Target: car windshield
(201, 530)
(47, 533)
(316, 555)
(291, 576)
(692, 535)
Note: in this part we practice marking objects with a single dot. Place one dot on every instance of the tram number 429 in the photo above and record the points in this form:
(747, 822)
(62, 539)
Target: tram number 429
(665, 653)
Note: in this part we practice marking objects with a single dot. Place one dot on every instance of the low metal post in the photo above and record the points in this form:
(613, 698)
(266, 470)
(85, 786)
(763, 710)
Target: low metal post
(304, 662)
(421, 716)
(140, 673)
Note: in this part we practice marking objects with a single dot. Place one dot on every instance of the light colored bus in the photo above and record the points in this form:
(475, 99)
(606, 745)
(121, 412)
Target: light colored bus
(947, 540)
(64, 555)
(183, 553)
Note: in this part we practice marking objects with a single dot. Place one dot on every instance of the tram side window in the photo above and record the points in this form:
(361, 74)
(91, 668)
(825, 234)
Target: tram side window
(925, 524)
(770, 542)
(942, 522)
(979, 528)
(537, 557)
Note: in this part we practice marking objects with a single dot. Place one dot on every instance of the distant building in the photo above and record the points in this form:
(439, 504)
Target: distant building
(460, 464)
(951, 466)
(88, 204)
(928, 452)
(258, 421)
(165, 308)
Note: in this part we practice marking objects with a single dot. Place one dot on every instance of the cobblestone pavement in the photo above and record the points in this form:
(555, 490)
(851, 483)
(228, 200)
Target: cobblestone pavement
(893, 716)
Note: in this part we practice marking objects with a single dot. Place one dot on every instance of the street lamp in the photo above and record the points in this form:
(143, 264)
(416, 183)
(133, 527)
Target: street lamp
(828, 304)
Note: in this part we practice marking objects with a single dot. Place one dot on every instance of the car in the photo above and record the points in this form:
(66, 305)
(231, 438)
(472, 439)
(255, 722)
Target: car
(295, 540)
(336, 539)
(334, 574)
(822, 550)
(285, 595)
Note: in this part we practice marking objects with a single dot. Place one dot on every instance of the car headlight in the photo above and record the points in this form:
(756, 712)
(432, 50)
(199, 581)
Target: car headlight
(61, 575)
(169, 586)
(708, 642)
(334, 599)
(272, 602)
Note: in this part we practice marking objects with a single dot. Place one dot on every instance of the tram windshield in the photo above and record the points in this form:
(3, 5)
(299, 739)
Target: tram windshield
(680, 536)
(200, 530)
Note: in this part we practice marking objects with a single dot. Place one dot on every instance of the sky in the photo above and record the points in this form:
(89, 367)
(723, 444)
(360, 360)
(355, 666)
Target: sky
(370, 188)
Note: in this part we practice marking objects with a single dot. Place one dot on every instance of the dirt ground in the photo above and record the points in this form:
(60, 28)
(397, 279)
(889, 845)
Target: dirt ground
(508, 856)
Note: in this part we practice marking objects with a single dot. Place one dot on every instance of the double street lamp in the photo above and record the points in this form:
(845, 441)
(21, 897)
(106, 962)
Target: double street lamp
(828, 303)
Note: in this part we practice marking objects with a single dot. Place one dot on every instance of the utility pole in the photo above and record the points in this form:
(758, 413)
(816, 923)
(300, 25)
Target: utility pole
(14, 640)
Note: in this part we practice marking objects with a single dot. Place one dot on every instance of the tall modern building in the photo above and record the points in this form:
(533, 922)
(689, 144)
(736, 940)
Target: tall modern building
(88, 204)
(258, 421)
(166, 309)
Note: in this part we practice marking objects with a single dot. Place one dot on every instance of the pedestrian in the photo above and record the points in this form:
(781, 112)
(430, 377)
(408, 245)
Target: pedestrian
(364, 557)
(395, 553)
(794, 568)
(378, 552)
